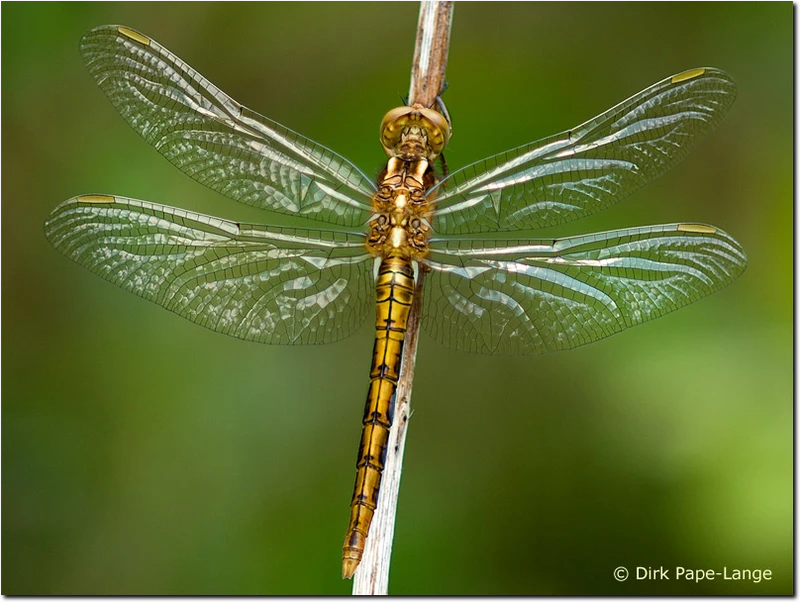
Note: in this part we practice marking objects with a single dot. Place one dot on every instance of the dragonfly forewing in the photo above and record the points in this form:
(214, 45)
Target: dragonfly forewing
(259, 283)
(590, 167)
(217, 141)
(540, 296)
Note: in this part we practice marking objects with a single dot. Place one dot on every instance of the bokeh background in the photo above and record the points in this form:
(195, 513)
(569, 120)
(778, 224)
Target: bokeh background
(143, 454)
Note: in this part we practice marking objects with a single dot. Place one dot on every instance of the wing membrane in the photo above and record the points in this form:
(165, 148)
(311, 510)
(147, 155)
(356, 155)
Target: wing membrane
(548, 295)
(263, 284)
(589, 168)
(216, 140)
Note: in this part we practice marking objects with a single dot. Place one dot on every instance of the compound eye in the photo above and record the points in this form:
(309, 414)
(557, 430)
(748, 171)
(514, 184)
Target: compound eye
(392, 126)
(440, 124)
(393, 116)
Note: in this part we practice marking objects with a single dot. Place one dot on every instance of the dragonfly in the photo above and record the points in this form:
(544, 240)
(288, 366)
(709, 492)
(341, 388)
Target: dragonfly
(289, 286)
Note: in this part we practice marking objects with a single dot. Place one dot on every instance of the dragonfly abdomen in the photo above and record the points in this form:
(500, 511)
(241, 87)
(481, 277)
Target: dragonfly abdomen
(395, 292)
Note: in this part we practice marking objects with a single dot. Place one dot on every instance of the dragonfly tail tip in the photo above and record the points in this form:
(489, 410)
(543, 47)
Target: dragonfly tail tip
(349, 566)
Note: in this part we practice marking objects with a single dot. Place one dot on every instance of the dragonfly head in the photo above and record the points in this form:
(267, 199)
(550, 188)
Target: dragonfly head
(414, 132)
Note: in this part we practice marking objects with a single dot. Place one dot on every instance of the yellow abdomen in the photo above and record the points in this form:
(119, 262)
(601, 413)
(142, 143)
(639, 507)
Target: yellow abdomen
(395, 291)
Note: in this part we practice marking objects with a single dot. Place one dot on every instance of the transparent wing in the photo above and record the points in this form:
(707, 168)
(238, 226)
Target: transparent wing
(216, 140)
(588, 168)
(539, 296)
(269, 285)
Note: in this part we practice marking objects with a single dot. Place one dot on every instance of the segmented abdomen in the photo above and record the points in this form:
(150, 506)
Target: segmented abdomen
(395, 291)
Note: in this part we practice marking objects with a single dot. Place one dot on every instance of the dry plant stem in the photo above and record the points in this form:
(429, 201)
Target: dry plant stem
(430, 53)
(427, 81)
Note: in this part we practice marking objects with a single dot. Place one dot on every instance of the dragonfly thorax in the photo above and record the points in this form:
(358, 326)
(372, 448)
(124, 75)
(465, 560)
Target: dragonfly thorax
(401, 210)
(414, 132)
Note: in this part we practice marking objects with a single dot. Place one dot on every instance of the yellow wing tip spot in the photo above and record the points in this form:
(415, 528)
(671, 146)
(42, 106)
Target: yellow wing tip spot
(96, 199)
(699, 228)
(691, 74)
(134, 35)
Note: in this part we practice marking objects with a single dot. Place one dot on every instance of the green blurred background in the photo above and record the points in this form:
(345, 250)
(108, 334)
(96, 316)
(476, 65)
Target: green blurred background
(144, 454)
